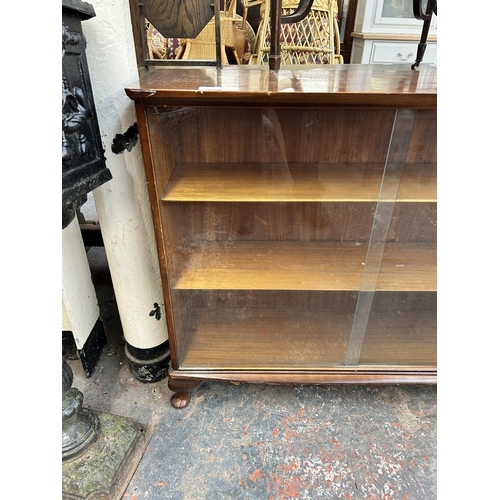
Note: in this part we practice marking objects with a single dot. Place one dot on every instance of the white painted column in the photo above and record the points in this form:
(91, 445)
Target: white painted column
(122, 203)
(80, 310)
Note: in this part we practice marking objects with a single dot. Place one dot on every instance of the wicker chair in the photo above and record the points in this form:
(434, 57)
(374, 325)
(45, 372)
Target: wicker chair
(314, 40)
(233, 39)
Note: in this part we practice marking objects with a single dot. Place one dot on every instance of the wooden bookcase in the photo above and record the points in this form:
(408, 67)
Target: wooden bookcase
(295, 217)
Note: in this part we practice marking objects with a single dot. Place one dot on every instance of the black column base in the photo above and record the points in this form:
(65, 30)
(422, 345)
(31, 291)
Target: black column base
(91, 351)
(69, 349)
(148, 365)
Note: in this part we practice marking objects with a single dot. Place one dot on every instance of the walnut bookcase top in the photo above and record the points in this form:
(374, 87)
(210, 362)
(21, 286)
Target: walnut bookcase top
(358, 85)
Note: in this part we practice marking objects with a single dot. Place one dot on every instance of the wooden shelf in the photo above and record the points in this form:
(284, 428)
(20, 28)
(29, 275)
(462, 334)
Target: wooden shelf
(259, 339)
(303, 266)
(418, 184)
(295, 183)
(232, 339)
(408, 266)
(405, 338)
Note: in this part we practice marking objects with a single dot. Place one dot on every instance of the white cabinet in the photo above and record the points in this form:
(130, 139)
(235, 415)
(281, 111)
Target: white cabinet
(386, 31)
(369, 51)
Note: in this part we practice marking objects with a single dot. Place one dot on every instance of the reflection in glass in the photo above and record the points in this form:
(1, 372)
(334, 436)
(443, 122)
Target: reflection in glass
(399, 9)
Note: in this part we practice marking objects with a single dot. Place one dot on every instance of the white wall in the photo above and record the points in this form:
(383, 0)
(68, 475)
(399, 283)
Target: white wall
(122, 203)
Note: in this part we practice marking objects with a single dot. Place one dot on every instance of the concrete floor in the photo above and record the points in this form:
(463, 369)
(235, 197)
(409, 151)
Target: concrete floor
(260, 442)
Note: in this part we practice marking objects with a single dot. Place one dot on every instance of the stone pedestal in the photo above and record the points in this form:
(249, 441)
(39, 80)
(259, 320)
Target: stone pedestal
(80, 428)
(100, 451)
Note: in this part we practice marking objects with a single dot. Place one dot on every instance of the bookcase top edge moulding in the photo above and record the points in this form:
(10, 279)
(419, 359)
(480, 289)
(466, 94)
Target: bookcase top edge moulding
(295, 216)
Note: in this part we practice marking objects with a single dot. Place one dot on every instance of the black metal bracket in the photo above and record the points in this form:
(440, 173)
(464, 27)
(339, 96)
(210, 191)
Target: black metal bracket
(431, 8)
(300, 13)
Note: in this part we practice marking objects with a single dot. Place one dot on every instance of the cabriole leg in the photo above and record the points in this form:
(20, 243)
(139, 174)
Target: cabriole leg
(181, 388)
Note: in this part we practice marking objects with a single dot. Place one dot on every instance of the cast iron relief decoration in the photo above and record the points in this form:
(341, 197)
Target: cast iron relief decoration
(75, 109)
(83, 161)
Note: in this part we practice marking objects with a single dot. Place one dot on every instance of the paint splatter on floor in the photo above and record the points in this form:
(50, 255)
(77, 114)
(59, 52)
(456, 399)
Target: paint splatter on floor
(254, 442)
